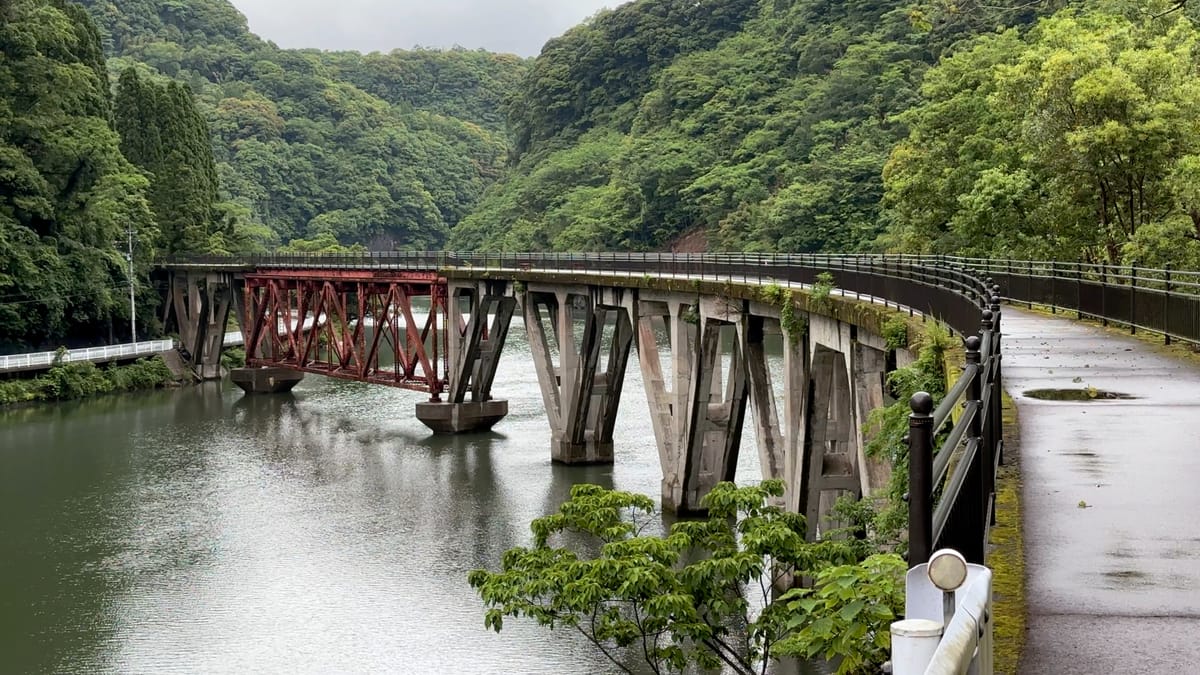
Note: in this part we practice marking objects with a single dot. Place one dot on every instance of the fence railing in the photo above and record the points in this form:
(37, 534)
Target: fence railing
(40, 360)
(952, 292)
(953, 463)
(1161, 301)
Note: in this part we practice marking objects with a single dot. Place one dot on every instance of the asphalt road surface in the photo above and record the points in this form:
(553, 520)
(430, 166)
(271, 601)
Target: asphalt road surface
(1111, 492)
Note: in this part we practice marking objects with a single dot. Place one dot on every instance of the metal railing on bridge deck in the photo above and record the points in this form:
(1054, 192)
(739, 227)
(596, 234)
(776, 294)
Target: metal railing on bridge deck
(41, 360)
(1161, 301)
(954, 293)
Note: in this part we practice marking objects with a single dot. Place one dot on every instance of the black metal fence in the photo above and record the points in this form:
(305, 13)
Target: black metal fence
(962, 467)
(1161, 301)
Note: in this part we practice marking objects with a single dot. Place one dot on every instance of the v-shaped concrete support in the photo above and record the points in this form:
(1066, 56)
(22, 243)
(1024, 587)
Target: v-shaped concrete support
(582, 392)
(698, 415)
(473, 354)
(200, 303)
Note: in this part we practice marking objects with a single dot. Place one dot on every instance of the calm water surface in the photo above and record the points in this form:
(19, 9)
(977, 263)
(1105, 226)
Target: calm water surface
(201, 531)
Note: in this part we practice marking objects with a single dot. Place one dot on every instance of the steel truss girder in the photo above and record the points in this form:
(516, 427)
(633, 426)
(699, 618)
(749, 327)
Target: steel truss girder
(351, 324)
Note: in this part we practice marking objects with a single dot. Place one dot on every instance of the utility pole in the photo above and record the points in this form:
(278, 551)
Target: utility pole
(132, 304)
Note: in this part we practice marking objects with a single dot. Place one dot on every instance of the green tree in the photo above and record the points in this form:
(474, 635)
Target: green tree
(701, 595)
(67, 195)
(164, 134)
(1074, 141)
(763, 125)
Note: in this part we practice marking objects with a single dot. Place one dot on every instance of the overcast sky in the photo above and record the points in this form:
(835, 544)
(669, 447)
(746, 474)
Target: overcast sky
(517, 26)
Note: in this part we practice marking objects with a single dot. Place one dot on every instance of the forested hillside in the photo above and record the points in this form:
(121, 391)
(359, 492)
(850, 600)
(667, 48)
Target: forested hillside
(764, 123)
(67, 194)
(1047, 129)
(216, 142)
(388, 150)
(768, 125)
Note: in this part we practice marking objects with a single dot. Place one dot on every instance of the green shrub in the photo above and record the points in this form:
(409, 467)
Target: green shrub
(888, 425)
(68, 381)
(143, 374)
(895, 333)
(75, 380)
(233, 357)
(821, 291)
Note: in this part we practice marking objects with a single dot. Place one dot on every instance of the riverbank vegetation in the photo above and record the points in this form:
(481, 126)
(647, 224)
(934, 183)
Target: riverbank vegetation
(76, 380)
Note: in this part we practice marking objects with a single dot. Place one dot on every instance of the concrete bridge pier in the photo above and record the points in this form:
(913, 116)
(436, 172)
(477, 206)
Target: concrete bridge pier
(582, 392)
(698, 414)
(473, 352)
(869, 363)
(832, 448)
(200, 304)
(780, 432)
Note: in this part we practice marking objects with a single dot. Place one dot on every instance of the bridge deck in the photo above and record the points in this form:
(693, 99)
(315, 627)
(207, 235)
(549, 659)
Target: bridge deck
(1112, 513)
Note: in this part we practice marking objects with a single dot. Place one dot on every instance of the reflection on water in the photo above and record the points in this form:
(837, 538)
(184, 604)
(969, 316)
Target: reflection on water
(197, 530)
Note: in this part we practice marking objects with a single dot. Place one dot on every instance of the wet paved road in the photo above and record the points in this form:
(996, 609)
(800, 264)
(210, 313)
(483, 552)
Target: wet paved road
(1111, 500)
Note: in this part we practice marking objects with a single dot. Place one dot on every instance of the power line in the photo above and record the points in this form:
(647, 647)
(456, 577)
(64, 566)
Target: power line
(49, 299)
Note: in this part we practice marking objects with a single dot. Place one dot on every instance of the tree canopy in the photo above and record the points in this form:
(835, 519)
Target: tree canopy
(1078, 139)
(764, 125)
(67, 194)
(388, 150)
(701, 596)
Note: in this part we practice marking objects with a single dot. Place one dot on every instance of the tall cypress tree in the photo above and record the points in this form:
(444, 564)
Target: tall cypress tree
(164, 134)
(67, 195)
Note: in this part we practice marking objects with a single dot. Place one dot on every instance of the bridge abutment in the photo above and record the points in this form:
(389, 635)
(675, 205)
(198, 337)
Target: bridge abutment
(200, 302)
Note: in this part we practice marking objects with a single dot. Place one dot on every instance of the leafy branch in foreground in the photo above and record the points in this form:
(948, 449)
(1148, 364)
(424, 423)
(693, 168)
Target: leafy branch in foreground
(700, 596)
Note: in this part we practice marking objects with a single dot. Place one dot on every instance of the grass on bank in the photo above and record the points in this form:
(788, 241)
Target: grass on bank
(68, 381)
(1006, 556)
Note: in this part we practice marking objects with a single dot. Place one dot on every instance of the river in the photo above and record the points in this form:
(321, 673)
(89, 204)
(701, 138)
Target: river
(200, 531)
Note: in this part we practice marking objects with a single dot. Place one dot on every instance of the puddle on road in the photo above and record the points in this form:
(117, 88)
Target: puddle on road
(1126, 580)
(1076, 395)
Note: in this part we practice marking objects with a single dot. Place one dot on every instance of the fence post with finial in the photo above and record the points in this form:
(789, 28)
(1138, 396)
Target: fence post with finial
(920, 478)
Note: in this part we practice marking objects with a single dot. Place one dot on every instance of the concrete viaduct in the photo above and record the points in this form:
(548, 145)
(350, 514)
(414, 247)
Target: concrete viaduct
(354, 317)
(1107, 561)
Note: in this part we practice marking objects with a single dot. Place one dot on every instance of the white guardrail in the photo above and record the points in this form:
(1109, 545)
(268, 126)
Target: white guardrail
(132, 350)
(109, 353)
(947, 629)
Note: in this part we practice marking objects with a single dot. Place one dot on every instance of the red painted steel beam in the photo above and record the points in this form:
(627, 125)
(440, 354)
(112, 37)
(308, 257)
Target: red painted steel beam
(351, 324)
(338, 274)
